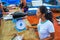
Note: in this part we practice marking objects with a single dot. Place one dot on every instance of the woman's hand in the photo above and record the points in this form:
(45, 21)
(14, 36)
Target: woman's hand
(46, 38)
(49, 38)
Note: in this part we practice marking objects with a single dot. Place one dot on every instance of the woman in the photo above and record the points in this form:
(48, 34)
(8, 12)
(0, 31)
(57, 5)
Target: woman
(45, 25)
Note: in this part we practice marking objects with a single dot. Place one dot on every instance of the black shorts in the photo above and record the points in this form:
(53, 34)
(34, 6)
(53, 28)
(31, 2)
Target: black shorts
(1, 15)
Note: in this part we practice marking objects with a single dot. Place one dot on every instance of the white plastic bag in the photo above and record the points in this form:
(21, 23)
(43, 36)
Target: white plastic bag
(18, 37)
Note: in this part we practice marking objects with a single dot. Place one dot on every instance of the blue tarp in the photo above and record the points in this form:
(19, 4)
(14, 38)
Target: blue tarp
(18, 1)
(14, 1)
(11, 2)
(8, 2)
(28, 0)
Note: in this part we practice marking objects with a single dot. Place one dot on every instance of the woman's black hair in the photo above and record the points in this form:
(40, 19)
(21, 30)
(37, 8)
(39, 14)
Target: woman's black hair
(48, 14)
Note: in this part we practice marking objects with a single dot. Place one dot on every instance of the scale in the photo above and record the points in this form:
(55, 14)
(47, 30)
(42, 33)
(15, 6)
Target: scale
(20, 26)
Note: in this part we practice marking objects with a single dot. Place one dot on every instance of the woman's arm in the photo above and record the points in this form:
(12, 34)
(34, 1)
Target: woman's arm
(34, 27)
(51, 37)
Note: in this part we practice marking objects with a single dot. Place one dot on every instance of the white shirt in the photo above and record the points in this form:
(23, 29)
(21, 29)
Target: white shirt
(44, 29)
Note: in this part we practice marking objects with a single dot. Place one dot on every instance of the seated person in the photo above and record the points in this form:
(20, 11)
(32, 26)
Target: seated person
(23, 6)
(0, 13)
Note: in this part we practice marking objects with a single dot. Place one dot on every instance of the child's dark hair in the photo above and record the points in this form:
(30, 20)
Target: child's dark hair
(48, 15)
